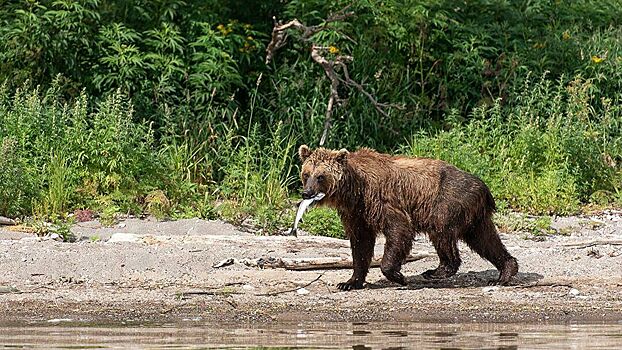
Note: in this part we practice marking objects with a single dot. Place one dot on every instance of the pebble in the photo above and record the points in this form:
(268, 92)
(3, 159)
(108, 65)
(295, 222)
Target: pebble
(124, 237)
(8, 289)
(574, 292)
(302, 291)
(490, 289)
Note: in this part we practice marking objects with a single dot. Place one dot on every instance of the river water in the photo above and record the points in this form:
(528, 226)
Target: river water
(197, 335)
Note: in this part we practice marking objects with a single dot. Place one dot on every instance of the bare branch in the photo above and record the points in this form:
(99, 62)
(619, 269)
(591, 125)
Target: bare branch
(329, 70)
(360, 88)
(582, 245)
(279, 35)
(319, 55)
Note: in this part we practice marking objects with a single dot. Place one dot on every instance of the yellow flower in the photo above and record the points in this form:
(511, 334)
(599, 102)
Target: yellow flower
(566, 35)
(539, 45)
(224, 30)
(333, 50)
(596, 59)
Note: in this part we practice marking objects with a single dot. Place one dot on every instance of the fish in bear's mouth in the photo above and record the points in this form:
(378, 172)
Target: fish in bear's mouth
(304, 205)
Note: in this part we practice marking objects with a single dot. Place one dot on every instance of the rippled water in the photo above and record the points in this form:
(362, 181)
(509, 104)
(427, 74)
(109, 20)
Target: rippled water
(194, 335)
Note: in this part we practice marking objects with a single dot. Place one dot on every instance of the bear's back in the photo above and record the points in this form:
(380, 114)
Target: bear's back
(414, 184)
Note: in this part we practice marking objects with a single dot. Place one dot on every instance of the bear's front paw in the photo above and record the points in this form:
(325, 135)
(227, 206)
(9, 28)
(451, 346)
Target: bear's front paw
(350, 284)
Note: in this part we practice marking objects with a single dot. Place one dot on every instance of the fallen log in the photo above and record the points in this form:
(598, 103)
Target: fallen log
(327, 263)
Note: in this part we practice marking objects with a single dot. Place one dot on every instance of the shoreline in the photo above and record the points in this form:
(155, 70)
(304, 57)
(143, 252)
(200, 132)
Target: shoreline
(162, 272)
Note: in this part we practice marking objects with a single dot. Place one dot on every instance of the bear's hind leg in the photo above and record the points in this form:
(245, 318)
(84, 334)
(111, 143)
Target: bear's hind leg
(485, 241)
(447, 249)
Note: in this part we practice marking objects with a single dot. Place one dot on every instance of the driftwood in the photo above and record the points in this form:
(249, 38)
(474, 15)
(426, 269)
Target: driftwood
(300, 264)
(551, 284)
(7, 221)
(594, 243)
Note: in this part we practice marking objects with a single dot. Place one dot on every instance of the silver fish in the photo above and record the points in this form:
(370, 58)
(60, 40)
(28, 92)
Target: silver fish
(304, 205)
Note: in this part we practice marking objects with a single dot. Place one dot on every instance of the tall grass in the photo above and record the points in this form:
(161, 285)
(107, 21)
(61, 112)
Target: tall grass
(74, 153)
(548, 152)
(58, 155)
(257, 178)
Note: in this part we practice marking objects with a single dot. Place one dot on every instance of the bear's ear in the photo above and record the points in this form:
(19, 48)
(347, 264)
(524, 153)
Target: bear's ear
(342, 155)
(304, 152)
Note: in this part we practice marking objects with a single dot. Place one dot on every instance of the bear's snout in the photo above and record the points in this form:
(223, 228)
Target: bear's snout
(308, 194)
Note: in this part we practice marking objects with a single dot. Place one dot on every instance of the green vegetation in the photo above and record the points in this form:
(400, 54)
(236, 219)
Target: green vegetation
(167, 107)
(323, 221)
(546, 153)
(535, 226)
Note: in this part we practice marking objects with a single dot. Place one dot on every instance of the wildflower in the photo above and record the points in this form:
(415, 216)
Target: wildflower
(539, 45)
(566, 35)
(333, 50)
(224, 30)
(597, 59)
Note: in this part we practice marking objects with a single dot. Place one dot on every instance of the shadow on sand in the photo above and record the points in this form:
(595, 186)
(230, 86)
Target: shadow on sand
(469, 279)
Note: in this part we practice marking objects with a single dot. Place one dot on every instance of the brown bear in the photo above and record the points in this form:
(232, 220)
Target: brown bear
(400, 197)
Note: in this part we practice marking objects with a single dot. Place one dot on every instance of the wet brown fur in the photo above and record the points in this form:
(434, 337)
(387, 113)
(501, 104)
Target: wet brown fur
(400, 197)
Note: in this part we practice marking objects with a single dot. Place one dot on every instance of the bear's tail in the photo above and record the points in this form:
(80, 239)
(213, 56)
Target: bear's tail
(489, 203)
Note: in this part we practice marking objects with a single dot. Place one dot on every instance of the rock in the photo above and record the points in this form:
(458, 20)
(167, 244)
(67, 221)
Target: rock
(7, 221)
(56, 237)
(302, 291)
(8, 289)
(122, 237)
(574, 292)
(490, 289)
(223, 263)
(594, 253)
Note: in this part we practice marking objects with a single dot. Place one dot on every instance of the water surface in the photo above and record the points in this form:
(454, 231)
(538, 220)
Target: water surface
(195, 335)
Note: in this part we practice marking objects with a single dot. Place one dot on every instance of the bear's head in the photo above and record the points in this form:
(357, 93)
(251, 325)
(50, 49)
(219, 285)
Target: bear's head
(322, 170)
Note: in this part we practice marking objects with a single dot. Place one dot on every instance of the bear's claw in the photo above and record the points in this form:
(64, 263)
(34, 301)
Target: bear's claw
(350, 285)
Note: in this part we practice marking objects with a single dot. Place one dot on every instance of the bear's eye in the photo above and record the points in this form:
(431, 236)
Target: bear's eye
(320, 178)
(305, 176)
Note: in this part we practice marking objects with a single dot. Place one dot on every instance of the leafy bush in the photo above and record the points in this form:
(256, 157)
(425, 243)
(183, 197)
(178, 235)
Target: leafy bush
(15, 184)
(74, 157)
(545, 154)
(168, 107)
